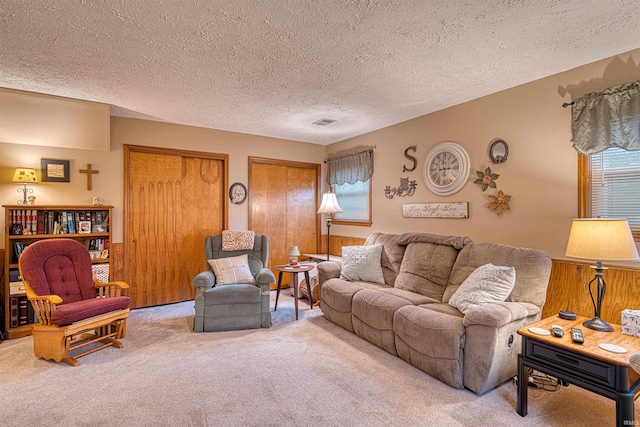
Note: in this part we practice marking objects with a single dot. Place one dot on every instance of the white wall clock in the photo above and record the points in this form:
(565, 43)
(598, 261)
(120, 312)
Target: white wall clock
(446, 169)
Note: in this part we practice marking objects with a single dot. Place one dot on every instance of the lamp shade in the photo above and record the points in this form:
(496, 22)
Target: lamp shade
(601, 239)
(24, 175)
(294, 251)
(329, 204)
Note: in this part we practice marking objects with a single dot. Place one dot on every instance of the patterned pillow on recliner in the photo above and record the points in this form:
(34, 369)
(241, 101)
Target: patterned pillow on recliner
(233, 240)
(232, 270)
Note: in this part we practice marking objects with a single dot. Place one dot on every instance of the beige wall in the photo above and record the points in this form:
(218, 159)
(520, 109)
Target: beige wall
(540, 173)
(109, 182)
(35, 119)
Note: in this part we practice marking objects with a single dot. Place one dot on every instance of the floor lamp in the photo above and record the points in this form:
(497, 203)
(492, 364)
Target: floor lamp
(329, 206)
(600, 239)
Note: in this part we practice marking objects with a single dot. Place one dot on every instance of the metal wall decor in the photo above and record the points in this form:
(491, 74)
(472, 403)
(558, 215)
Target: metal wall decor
(498, 151)
(486, 179)
(410, 157)
(436, 210)
(406, 188)
(499, 202)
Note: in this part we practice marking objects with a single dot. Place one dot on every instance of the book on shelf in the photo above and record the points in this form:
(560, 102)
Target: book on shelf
(41, 222)
(21, 312)
(71, 223)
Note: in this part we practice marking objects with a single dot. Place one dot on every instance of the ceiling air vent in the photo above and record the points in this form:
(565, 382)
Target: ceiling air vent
(324, 122)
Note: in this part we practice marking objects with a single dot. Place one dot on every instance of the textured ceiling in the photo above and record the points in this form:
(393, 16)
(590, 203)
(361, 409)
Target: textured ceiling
(274, 67)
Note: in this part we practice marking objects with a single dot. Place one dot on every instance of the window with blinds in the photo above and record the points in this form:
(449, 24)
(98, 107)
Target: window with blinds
(354, 199)
(615, 186)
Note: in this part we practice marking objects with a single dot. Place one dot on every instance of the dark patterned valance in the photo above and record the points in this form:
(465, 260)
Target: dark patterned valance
(607, 119)
(350, 168)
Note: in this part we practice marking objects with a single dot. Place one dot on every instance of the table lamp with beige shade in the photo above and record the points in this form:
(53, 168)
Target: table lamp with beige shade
(600, 239)
(24, 176)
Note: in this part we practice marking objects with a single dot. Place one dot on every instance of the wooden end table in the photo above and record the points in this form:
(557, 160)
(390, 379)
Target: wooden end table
(585, 365)
(294, 270)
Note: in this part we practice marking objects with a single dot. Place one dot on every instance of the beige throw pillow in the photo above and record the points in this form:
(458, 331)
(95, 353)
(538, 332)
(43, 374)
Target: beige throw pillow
(232, 270)
(487, 283)
(362, 263)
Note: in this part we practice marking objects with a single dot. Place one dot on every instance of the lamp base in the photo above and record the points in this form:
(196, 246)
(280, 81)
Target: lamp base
(598, 324)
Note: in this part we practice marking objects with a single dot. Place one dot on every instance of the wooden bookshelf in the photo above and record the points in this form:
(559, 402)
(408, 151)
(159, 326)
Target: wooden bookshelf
(38, 226)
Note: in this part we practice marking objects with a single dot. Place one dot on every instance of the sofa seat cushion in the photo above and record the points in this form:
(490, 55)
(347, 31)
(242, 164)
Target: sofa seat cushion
(412, 297)
(66, 314)
(232, 294)
(443, 308)
(431, 341)
(338, 293)
(373, 317)
(376, 309)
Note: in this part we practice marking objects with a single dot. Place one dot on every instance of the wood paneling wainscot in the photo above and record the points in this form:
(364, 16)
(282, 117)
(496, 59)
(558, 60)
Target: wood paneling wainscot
(568, 290)
(337, 242)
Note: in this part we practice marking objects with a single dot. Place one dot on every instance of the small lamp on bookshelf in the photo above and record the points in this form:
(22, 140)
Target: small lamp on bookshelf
(24, 176)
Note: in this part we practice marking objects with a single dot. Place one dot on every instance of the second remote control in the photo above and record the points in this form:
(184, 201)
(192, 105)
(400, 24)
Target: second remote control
(557, 331)
(576, 335)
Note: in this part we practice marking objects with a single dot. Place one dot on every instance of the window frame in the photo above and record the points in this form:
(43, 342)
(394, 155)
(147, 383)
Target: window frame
(359, 223)
(584, 191)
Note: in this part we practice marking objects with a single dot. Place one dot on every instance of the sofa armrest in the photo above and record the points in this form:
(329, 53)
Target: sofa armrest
(328, 270)
(498, 314)
(265, 276)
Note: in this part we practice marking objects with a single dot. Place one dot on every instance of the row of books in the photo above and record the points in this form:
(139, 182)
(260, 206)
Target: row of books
(33, 221)
(101, 246)
(98, 245)
(21, 312)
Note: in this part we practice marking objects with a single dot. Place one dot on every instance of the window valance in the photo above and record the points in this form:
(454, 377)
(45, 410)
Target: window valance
(350, 168)
(607, 119)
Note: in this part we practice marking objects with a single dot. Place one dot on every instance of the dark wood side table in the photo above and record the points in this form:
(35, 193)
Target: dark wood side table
(585, 365)
(294, 270)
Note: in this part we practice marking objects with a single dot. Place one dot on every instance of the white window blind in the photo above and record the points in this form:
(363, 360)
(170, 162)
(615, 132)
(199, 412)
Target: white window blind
(354, 201)
(615, 185)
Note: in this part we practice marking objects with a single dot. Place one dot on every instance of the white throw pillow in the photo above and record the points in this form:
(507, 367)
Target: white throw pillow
(487, 283)
(232, 270)
(362, 263)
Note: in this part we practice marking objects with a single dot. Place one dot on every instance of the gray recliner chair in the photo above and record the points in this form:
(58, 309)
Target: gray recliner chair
(234, 306)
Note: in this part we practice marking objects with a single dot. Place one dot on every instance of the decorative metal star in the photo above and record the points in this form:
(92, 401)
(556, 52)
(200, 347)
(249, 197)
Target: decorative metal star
(486, 179)
(500, 202)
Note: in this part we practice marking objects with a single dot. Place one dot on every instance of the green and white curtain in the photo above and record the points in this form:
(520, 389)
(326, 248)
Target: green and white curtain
(350, 168)
(609, 119)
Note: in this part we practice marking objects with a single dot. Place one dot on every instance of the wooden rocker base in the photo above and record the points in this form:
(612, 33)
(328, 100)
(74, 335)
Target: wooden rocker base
(55, 342)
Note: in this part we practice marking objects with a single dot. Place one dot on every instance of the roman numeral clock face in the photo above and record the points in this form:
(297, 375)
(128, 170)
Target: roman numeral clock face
(446, 169)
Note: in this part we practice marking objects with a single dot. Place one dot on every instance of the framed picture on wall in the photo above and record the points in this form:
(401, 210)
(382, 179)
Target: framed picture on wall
(54, 170)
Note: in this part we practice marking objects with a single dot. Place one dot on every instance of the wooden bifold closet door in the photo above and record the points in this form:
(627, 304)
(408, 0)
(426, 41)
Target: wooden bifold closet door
(173, 200)
(283, 200)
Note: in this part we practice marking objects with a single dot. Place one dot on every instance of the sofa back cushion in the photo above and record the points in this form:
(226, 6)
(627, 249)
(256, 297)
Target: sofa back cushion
(391, 257)
(425, 269)
(532, 266)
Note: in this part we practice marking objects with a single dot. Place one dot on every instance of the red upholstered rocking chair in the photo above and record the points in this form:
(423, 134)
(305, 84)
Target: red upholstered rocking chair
(73, 308)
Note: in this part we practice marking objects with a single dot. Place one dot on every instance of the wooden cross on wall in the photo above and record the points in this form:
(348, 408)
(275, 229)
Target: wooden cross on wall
(89, 172)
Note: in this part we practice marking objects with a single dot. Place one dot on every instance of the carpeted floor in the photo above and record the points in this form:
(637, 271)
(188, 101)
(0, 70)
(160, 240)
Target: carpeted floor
(297, 373)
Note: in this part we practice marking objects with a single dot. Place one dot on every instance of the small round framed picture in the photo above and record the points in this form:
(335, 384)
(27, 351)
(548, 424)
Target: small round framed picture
(238, 193)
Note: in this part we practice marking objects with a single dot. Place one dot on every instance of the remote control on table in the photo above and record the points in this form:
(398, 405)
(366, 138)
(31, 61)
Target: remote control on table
(557, 331)
(576, 335)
